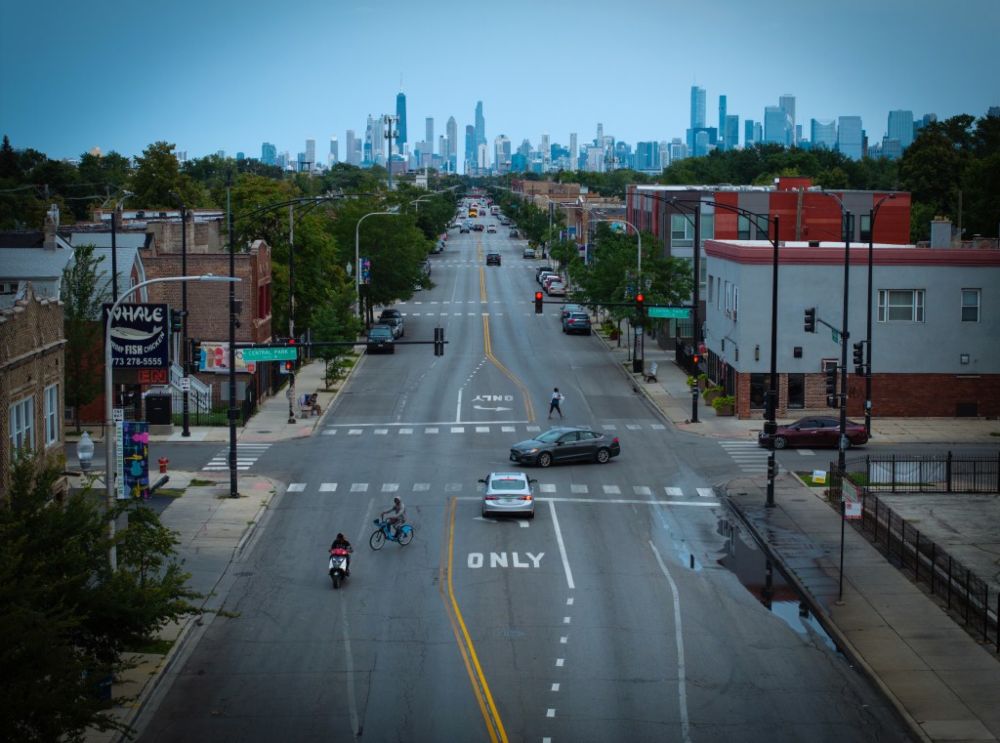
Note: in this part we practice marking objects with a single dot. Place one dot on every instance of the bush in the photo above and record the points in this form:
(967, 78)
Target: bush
(723, 401)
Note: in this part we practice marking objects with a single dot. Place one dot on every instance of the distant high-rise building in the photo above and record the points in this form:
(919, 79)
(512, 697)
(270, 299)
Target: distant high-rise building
(678, 150)
(310, 154)
(452, 156)
(749, 140)
(697, 107)
(647, 156)
(480, 126)
(501, 153)
(573, 153)
(349, 145)
(374, 141)
(268, 154)
(891, 149)
(544, 148)
(240, 156)
(922, 122)
(787, 104)
(850, 137)
(900, 128)
(334, 151)
(823, 133)
(777, 126)
(731, 134)
(401, 139)
(470, 149)
(723, 145)
(429, 130)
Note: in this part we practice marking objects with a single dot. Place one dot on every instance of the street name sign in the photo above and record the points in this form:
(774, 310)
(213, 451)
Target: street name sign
(270, 354)
(675, 313)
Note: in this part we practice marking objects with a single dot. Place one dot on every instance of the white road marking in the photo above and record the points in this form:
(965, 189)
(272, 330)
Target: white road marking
(359, 487)
(532, 428)
(632, 501)
(405, 431)
(612, 490)
(567, 620)
(562, 546)
(555, 687)
(458, 429)
(381, 431)
(523, 524)
(560, 662)
(453, 487)
(353, 431)
(482, 429)
(431, 429)
(641, 490)
(563, 640)
(390, 487)
(329, 432)
(352, 703)
(507, 429)
(674, 492)
(569, 601)
(547, 487)
(633, 427)
(458, 406)
(578, 488)
(807, 452)
(609, 427)
(678, 633)
(658, 427)
(328, 487)
(420, 487)
(550, 712)
(296, 487)
(706, 492)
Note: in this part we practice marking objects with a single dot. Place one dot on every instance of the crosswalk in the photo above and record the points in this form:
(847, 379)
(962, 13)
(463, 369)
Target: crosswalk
(543, 489)
(434, 429)
(748, 455)
(246, 456)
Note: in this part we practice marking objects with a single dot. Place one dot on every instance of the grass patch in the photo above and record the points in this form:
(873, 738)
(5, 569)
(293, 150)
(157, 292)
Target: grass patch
(198, 482)
(152, 646)
(170, 492)
(807, 478)
(994, 433)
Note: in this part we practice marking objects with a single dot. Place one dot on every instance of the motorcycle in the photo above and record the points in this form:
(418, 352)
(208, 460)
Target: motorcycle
(338, 565)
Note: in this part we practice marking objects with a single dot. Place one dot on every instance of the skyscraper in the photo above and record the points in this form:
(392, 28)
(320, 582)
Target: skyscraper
(310, 155)
(573, 154)
(268, 154)
(749, 140)
(823, 133)
(349, 147)
(470, 149)
(480, 129)
(334, 153)
(850, 137)
(401, 122)
(429, 133)
(697, 107)
(731, 135)
(452, 155)
(724, 145)
(776, 126)
(901, 127)
(787, 104)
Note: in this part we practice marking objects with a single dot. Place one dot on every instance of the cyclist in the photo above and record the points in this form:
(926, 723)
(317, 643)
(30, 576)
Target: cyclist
(396, 515)
(341, 543)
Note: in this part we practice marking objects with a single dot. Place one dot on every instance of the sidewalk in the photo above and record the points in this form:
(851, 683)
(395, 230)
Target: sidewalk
(945, 685)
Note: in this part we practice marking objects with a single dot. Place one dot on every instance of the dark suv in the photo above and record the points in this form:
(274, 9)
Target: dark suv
(576, 322)
(492, 259)
(394, 319)
(380, 340)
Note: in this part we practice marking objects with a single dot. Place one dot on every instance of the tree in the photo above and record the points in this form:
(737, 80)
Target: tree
(67, 619)
(158, 177)
(82, 296)
(8, 161)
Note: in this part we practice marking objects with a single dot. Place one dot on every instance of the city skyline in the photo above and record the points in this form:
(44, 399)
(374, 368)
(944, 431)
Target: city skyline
(195, 87)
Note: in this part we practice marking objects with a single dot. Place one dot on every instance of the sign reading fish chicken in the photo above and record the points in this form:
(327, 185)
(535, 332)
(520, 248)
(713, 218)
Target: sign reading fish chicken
(140, 336)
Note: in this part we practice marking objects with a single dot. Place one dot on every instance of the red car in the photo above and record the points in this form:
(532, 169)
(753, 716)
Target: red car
(815, 431)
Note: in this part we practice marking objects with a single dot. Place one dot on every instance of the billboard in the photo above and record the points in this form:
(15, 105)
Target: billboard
(140, 336)
(213, 358)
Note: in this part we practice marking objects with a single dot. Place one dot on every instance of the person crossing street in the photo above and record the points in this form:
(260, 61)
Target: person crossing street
(557, 397)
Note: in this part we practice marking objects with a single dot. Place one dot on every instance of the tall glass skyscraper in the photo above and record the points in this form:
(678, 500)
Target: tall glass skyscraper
(776, 125)
(787, 104)
(723, 144)
(401, 124)
(268, 154)
(850, 137)
(901, 127)
(697, 107)
(480, 128)
(452, 128)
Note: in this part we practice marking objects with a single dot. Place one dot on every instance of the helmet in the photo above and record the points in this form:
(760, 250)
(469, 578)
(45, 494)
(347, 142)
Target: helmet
(340, 535)
(396, 500)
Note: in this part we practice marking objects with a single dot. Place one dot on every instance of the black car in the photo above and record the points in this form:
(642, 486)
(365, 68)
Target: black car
(380, 340)
(492, 259)
(565, 444)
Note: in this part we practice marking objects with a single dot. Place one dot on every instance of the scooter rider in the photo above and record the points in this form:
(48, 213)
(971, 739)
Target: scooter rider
(341, 543)
(396, 515)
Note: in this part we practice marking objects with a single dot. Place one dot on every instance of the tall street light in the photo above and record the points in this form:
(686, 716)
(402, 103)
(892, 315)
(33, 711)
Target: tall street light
(185, 358)
(357, 257)
(110, 441)
(872, 214)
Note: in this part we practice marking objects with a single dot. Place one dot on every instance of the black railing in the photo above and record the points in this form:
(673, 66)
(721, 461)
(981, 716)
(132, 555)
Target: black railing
(218, 415)
(966, 595)
(940, 473)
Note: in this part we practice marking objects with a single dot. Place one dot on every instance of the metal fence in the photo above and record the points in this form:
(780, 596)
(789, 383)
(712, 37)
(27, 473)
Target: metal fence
(966, 595)
(200, 415)
(936, 473)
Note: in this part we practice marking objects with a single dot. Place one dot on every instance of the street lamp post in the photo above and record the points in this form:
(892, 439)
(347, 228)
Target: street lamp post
(185, 351)
(872, 214)
(110, 442)
(357, 257)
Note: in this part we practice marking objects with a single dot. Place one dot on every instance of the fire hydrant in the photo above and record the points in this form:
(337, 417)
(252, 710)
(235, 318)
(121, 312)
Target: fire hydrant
(163, 464)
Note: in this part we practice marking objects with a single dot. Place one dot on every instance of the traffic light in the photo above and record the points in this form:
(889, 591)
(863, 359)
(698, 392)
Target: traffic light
(439, 341)
(811, 320)
(831, 386)
(176, 321)
(859, 358)
(289, 366)
(538, 303)
(640, 304)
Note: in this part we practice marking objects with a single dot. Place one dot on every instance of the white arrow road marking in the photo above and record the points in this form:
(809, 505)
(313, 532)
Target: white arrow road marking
(483, 407)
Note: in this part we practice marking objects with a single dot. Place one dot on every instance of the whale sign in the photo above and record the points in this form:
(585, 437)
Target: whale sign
(140, 336)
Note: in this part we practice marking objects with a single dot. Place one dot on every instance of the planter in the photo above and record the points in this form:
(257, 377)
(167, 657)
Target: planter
(711, 393)
(724, 404)
(724, 410)
(613, 335)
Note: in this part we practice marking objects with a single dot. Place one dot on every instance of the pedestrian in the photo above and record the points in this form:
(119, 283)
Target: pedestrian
(554, 401)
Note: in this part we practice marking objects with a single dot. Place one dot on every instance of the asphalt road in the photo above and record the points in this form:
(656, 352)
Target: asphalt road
(608, 616)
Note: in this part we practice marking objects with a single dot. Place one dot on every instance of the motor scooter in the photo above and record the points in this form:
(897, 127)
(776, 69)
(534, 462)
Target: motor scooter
(338, 565)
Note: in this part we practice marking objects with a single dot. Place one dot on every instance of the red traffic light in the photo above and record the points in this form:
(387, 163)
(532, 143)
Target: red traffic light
(538, 303)
(640, 298)
(696, 358)
(289, 365)
(291, 341)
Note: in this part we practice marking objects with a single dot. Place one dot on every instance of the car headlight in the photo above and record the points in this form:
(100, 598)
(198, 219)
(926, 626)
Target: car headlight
(533, 450)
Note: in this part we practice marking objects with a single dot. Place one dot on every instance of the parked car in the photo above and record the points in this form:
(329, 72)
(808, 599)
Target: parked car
(576, 322)
(380, 340)
(492, 259)
(568, 309)
(394, 319)
(528, 253)
(513, 233)
(549, 279)
(556, 289)
(565, 444)
(508, 493)
(815, 431)
(539, 270)
(545, 275)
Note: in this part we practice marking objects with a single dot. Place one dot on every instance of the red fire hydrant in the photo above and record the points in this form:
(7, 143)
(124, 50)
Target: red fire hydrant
(163, 464)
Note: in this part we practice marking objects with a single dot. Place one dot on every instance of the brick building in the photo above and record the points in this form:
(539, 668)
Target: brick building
(32, 364)
(935, 326)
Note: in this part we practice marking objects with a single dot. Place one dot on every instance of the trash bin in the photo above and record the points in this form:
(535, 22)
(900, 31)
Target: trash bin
(158, 410)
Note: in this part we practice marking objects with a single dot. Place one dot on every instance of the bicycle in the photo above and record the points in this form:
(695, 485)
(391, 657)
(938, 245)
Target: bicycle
(404, 534)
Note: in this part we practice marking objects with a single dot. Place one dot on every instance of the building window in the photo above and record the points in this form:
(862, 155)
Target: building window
(901, 305)
(736, 301)
(796, 391)
(21, 426)
(718, 292)
(758, 390)
(970, 305)
(711, 289)
(51, 414)
(866, 227)
(681, 231)
(743, 227)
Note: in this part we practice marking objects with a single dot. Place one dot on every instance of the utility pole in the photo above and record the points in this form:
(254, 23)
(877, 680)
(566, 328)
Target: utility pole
(233, 487)
(390, 135)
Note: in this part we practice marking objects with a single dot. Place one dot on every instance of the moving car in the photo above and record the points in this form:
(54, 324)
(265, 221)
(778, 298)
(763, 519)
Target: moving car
(514, 233)
(380, 340)
(478, 227)
(528, 253)
(815, 431)
(576, 322)
(566, 444)
(492, 259)
(508, 493)
(394, 319)
(491, 228)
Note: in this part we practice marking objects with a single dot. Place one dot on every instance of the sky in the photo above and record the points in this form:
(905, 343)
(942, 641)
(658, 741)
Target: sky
(231, 74)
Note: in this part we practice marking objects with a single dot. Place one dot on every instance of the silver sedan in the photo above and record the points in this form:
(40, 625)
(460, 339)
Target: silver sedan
(508, 493)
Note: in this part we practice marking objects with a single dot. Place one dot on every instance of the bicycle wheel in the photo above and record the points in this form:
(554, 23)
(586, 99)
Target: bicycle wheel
(405, 534)
(377, 539)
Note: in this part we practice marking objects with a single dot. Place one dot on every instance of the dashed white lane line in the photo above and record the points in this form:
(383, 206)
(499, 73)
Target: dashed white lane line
(567, 620)
(674, 492)
(563, 640)
(562, 546)
(578, 488)
(359, 487)
(641, 490)
(458, 429)
(296, 487)
(421, 487)
(390, 487)
(612, 490)
(679, 637)
(569, 601)
(555, 687)
(706, 492)
(381, 431)
(550, 712)
(432, 429)
(405, 431)
(547, 487)
(328, 487)
(560, 662)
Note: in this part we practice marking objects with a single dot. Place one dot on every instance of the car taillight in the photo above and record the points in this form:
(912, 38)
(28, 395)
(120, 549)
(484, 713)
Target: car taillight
(525, 497)
(614, 440)
(490, 497)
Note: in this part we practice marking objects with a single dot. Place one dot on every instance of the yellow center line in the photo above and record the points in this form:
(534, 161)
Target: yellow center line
(529, 408)
(494, 725)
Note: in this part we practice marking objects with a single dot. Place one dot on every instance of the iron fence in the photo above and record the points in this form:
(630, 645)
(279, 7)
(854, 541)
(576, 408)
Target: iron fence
(934, 473)
(203, 415)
